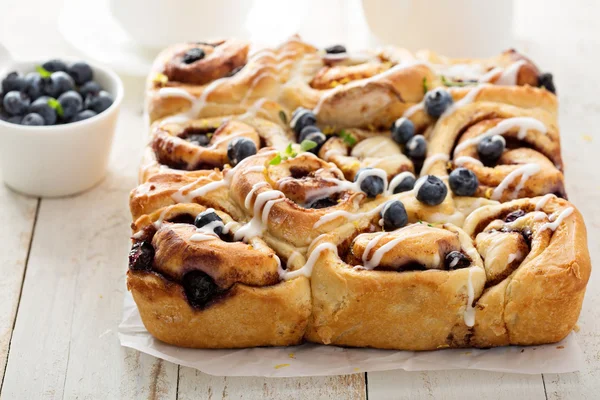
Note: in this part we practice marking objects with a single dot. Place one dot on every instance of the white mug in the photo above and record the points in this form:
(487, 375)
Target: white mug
(159, 23)
(454, 28)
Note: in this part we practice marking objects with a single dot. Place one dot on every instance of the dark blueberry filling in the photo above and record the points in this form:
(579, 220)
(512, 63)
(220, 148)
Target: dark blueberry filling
(546, 81)
(514, 215)
(235, 70)
(323, 203)
(141, 256)
(457, 260)
(336, 49)
(183, 219)
(199, 288)
(193, 55)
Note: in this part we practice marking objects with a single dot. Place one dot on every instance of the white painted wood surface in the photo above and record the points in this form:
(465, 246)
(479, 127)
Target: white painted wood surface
(64, 342)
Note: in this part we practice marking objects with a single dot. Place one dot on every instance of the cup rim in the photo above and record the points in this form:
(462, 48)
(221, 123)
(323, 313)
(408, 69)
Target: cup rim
(51, 129)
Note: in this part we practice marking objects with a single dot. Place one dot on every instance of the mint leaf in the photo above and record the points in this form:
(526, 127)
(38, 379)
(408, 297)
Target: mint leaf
(425, 85)
(288, 149)
(276, 160)
(56, 105)
(283, 117)
(43, 71)
(307, 145)
(347, 138)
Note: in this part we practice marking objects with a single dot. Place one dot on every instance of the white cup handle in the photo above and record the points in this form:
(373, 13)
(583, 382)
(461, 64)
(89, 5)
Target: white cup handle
(5, 57)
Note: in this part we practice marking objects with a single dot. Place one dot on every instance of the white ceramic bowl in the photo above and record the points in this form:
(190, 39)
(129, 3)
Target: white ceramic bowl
(59, 160)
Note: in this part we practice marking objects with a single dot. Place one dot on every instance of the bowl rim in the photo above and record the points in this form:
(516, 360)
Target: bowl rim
(28, 64)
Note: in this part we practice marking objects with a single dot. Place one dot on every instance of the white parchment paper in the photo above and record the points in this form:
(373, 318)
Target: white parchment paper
(312, 359)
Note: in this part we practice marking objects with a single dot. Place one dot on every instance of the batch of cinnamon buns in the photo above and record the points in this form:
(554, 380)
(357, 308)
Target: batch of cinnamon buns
(382, 199)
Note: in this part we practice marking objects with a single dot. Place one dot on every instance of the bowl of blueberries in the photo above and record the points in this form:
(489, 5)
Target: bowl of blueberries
(57, 122)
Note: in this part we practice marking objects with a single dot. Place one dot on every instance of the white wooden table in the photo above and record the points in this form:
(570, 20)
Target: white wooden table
(63, 260)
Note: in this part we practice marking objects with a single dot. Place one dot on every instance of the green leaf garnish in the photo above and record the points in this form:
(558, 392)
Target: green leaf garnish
(43, 71)
(429, 225)
(347, 138)
(307, 145)
(283, 117)
(275, 160)
(288, 149)
(52, 102)
(425, 85)
(450, 83)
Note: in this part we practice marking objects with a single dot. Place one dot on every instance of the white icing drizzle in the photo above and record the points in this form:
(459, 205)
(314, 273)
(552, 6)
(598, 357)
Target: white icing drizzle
(511, 257)
(255, 187)
(306, 270)
(396, 180)
(350, 216)
(429, 161)
(469, 315)
(293, 256)
(138, 235)
(554, 224)
(254, 168)
(372, 243)
(207, 232)
(488, 76)
(462, 160)
(509, 76)
(469, 97)
(454, 262)
(525, 172)
(262, 206)
(201, 191)
(523, 123)
(543, 201)
(158, 223)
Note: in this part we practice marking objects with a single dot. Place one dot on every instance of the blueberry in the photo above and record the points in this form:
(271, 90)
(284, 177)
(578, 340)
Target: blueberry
(16, 103)
(490, 149)
(437, 101)
(318, 137)
(463, 182)
(15, 119)
(81, 72)
(394, 215)
(416, 147)
(457, 260)
(35, 85)
(55, 66)
(100, 102)
(13, 81)
(33, 119)
(336, 49)
(198, 139)
(141, 256)
(198, 287)
(240, 148)
(322, 203)
(372, 185)
(514, 215)
(307, 130)
(432, 190)
(302, 117)
(71, 104)
(193, 55)
(90, 88)
(206, 217)
(40, 106)
(58, 83)
(85, 114)
(546, 81)
(403, 130)
(407, 183)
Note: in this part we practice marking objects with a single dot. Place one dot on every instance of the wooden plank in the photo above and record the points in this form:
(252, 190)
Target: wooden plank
(455, 384)
(195, 385)
(17, 219)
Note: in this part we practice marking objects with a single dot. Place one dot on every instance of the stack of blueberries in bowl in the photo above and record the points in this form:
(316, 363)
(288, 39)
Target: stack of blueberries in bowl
(56, 93)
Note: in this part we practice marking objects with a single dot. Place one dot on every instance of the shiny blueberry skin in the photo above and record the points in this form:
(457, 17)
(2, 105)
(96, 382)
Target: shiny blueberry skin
(90, 88)
(416, 147)
(193, 55)
(301, 118)
(141, 256)
(372, 185)
(199, 288)
(546, 81)
(205, 218)
(81, 72)
(33, 119)
(394, 215)
(240, 148)
(13, 81)
(199, 139)
(514, 215)
(58, 83)
(55, 66)
(100, 102)
(403, 130)
(490, 149)
(40, 106)
(16, 103)
(457, 260)
(85, 114)
(406, 184)
(336, 49)
(437, 101)
(35, 85)
(433, 191)
(71, 103)
(307, 130)
(318, 137)
(463, 182)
